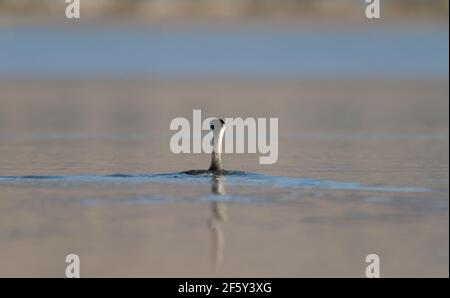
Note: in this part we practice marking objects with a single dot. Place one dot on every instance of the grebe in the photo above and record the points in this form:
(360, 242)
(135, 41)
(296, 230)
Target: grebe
(217, 126)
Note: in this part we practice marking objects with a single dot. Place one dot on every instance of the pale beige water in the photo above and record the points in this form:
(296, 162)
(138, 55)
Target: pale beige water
(392, 136)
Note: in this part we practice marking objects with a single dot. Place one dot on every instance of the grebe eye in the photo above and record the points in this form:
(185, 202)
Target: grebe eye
(212, 127)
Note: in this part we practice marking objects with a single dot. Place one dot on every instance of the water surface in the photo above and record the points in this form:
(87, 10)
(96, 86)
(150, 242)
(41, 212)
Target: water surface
(407, 51)
(85, 168)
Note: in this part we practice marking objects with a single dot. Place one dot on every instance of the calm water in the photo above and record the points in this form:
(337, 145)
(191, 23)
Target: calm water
(85, 165)
(85, 168)
(304, 50)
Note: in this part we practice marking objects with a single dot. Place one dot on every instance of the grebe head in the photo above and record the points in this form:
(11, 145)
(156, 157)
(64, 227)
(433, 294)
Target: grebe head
(217, 126)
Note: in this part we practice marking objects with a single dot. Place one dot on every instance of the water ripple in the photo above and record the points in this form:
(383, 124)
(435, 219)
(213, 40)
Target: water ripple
(237, 178)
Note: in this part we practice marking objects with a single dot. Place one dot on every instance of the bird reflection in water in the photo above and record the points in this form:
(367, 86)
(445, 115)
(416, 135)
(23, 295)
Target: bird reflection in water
(217, 221)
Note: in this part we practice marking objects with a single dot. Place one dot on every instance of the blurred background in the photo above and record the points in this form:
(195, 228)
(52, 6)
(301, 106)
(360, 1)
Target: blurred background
(162, 41)
(358, 100)
(252, 38)
(229, 10)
